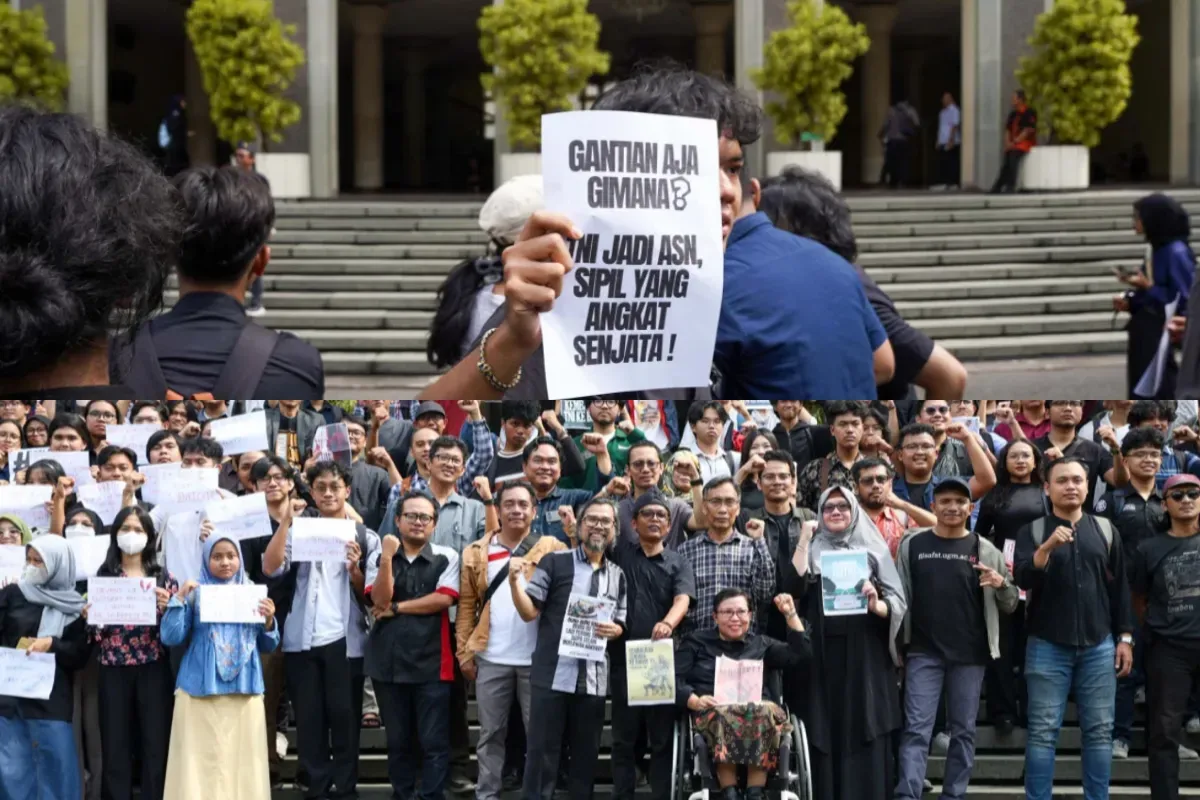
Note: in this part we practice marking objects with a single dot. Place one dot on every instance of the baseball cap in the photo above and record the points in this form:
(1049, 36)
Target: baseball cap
(429, 407)
(1181, 478)
(955, 485)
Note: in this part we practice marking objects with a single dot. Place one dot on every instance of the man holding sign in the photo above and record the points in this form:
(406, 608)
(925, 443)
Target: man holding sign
(567, 694)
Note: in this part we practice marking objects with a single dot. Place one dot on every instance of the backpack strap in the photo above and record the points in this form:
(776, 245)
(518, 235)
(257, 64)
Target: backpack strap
(244, 370)
(824, 470)
(729, 462)
(1038, 531)
(1180, 460)
(524, 547)
(143, 374)
(1106, 530)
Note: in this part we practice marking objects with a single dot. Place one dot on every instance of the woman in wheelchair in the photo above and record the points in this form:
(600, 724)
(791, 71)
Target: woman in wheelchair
(738, 734)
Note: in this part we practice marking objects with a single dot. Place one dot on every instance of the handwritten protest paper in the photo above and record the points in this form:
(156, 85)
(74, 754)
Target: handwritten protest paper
(182, 548)
(231, 602)
(650, 672)
(90, 552)
(134, 437)
(242, 433)
(122, 601)
(240, 517)
(1010, 552)
(104, 498)
(738, 682)
(579, 638)
(28, 503)
(12, 563)
(189, 489)
(75, 463)
(332, 443)
(842, 577)
(640, 308)
(156, 475)
(28, 675)
(318, 539)
(970, 423)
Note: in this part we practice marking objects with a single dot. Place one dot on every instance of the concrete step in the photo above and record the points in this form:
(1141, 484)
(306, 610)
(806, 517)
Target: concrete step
(361, 266)
(402, 300)
(352, 340)
(1027, 305)
(284, 237)
(377, 223)
(885, 276)
(363, 320)
(990, 227)
(386, 208)
(1039, 344)
(1019, 213)
(1050, 239)
(376, 251)
(341, 362)
(1021, 325)
(999, 287)
(349, 283)
(1015, 255)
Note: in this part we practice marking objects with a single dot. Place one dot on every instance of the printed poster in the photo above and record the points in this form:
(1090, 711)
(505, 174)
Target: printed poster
(28, 675)
(575, 415)
(650, 672)
(122, 601)
(579, 638)
(332, 443)
(639, 310)
(738, 682)
(843, 574)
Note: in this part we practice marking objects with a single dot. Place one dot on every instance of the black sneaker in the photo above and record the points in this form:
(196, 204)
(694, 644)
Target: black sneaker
(461, 785)
(1004, 726)
(512, 782)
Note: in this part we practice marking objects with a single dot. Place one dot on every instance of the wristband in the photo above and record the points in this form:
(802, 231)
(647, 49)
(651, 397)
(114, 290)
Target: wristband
(697, 482)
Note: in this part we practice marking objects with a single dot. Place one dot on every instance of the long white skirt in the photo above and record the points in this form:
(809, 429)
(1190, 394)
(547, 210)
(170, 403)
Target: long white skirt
(218, 749)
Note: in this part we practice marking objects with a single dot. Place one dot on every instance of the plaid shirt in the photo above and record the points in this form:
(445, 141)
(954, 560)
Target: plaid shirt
(483, 450)
(738, 563)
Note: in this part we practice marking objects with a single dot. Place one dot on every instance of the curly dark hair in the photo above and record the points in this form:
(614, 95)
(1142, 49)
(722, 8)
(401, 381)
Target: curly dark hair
(90, 234)
(230, 214)
(805, 203)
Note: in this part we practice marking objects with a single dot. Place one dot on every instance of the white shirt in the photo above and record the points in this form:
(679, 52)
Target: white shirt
(949, 119)
(329, 601)
(510, 639)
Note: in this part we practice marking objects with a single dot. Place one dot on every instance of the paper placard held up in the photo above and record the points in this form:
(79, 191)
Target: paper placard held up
(738, 682)
(640, 308)
(132, 436)
(842, 577)
(240, 517)
(189, 489)
(12, 563)
(156, 475)
(90, 552)
(104, 498)
(75, 463)
(122, 601)
(332, 443)
(182, 548)
(650, 672)
(28, 503)
(28, 675)
(317, 539)
(242, 433)
(579, 638)
(231, 602)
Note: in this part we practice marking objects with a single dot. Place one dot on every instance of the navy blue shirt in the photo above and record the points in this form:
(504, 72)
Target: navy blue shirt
(795, 321)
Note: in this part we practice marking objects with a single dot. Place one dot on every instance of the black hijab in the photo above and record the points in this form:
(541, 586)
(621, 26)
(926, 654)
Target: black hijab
(1164, 220)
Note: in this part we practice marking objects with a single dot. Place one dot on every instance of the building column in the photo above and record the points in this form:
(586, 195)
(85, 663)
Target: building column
(1181, 91)
(415, 61)
(323, 97)
(1193, 68)
(87, 60)
(712, 26)
(877, 84)
(982, 103)
(202, 143)
(749, 38)
(368, 96)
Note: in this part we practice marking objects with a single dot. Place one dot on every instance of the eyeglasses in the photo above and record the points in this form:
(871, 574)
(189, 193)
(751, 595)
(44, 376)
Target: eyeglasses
(722, 502)
(1190, 494)
(604, 403)
(328, 488)
(1146, 455)
(919, 448)
(356, 434)
(647, 513)
(10, 403)
(733, 612)
(103, 416)
(444, 458)
(874, 480)
(708, 421)
(414, 517)
(269, 479)
(934, 411)
(599, 523)
(640, 465)
(840, 508)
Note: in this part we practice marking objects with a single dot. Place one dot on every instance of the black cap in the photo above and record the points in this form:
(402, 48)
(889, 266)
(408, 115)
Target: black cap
(953, 485)
(429, 407)
(650, 498)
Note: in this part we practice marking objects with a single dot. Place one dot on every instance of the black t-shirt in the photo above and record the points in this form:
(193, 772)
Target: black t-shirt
(1025, 504)
(1097, 458)
(911, 347)
(946, 602)
(1167, 570)
(916, 494)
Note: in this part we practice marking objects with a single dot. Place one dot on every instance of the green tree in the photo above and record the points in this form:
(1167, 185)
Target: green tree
(28, 70)
(543, 52)
(248, 60)
(805, 65)
(1078, 77)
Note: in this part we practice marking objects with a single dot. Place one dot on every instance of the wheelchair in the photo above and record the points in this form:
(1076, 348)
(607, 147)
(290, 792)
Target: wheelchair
(696, 778)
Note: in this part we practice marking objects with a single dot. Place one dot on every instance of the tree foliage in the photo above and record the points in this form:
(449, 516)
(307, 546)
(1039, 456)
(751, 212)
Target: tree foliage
(28, 69)
(248, 61)
(805, 65)
(1078, 77)
(543, 53)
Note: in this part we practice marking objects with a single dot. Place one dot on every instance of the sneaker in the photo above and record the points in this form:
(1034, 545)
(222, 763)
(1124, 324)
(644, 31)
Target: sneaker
(1120, 749)
(255, 311)
(462, 785)
(1004, 726)
(1187, 754)
(512, 782)
(927, 787)
(1193, 726)
(1139, 697)
(281, 744)
(941, 744)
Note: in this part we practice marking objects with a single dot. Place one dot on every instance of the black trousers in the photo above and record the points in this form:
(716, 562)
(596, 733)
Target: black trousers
(947, 166)
(460, 743)
(1010, 171)
(627, 723)
(553, 717)
(1005, 679)
(416, 720)
(896, 158)
(319, 682)
(1171, 668)
(135, 698)
(357, 680)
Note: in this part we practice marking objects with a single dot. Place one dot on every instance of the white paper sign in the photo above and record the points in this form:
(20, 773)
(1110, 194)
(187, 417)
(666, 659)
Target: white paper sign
(104, 498)
(182, 548)
(240, 517)
(132, 436)
(122, 601)
(737, 682)
(970, 423)
(579, 638)
(28, 675)
(1010, 552)
(90, 552)
(319, 539)
(28, 503)
(242, 433)
(332, 443)
(640, 308)
(156, 475)
(12, 563)
(75, 463)
(189, 490)
(231, 602)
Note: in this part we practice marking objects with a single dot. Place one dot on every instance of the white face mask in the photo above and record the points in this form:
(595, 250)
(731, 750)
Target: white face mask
(35, 575)
(131, 543)
(75, 531)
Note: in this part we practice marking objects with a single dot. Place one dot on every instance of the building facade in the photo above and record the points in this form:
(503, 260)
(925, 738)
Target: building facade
(392, 101)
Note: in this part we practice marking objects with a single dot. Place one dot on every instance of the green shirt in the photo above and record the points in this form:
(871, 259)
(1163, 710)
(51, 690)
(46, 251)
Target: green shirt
(618, 451)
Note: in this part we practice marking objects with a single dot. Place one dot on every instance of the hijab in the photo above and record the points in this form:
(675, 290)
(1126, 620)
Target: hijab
(61, 604)
(861, 534)
(26, 533)
(667, 485)
(1164, 220)
(234, 642)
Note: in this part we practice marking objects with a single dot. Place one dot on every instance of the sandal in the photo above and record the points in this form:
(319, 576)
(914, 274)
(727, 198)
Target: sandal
(370, 720)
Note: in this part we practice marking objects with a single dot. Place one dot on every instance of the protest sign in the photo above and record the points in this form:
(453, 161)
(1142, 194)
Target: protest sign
(156, 475)
(132, 436)
(762, 414)
(639, 310)
(738, 682)
(970, 423)
(28, 503)
(75, 463)
(319, 539)
(122, 601)
(1010, 550)
(90, 552)
(231, 602)
(104, 498)
(579, 638)
(182, 548)
(332, 443)
(189, 489)
(240, 517)
(842, 577)
(242, 433)
(575, 415)
(12, 563)
(650, 672)
(28, 675)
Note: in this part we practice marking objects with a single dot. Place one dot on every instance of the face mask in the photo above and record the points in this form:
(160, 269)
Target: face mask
(35, 575)
(75, 531)
(131, 543)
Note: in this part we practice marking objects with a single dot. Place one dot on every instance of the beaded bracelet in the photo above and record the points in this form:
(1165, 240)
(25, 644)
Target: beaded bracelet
(485, 369)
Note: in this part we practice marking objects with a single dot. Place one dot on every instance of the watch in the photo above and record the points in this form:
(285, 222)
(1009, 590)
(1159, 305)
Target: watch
(697, 482)
(1126, 638)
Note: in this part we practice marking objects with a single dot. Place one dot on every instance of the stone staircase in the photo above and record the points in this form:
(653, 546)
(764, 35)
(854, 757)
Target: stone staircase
(988, 277)
(997, 775)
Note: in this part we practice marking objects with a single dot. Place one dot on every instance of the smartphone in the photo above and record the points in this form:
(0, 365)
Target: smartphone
(1125, 270)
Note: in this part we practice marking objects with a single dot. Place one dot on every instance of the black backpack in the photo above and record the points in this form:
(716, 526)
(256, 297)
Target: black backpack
(240, 377)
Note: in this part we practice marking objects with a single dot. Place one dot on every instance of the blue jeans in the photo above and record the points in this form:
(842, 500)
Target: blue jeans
(38, 760)
(1126, 690)
(256, 292)
(416, 719)
(1052, 672)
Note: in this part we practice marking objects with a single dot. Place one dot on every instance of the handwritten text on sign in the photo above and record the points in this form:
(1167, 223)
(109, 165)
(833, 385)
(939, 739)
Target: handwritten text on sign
(738, 682)
(242, 433)
(28, 503)
(122, 601)
(321, 539)
(235, 602)
(639, 310)
(29, 675)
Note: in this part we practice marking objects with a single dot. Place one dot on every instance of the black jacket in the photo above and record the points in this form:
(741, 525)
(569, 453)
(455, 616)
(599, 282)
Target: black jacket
(307, 423)
(696, 660)
(20, 619)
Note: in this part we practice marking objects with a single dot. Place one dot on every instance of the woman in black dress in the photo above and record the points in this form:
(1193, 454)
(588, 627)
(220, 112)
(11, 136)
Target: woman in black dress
(757, 443)
(1017, 499)
(851, 701)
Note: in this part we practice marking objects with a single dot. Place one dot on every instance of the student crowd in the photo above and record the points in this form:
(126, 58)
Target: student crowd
(1047, 548)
